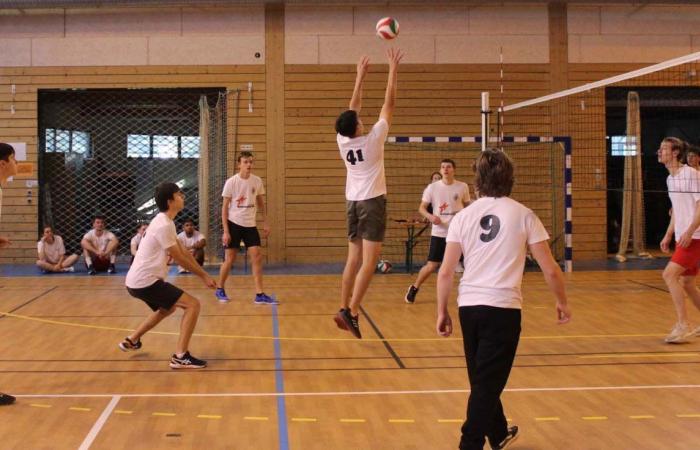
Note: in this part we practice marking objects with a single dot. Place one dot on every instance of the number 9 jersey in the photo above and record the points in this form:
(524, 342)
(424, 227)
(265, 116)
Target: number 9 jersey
(494, 234)
(364, 161)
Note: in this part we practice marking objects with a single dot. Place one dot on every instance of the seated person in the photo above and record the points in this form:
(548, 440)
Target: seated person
(52, 253)
(136, 240)
(100, 248)
(194, 242)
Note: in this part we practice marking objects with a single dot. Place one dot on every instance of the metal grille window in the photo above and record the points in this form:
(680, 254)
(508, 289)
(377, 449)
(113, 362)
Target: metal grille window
(65, 141)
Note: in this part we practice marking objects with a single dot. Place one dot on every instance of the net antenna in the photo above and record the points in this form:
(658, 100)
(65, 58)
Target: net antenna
(485, 112)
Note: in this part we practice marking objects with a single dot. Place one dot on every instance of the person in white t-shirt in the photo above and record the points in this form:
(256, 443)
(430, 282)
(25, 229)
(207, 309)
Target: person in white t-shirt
(100, 248)
(52, 253)
(243, 195)
(681, 272)
(447, 197)
(136, 240)
(146, 278)
(8, 168)
(365, 191)
(493, 233)
(194, 242)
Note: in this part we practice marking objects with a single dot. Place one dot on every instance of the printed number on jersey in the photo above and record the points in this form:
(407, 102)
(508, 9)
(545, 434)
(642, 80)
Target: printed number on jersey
(491, 225)
(354, 156)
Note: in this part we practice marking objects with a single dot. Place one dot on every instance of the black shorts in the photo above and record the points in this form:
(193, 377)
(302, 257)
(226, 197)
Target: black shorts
(437, 249)
(366, 218)
(249, 236)
(159, 295)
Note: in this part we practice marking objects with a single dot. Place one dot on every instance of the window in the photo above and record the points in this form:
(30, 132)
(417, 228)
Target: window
(162, 146)
(623, 145)
(67, 141)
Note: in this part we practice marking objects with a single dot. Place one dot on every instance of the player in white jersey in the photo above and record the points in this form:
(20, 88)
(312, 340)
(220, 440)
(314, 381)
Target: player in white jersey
(100, 248)
(8, 168)
(446, 197)
(681, 272)
(52, 253)
(365, 191)
(146, 278)
(194, 242)
(493, 233)
(243, 195)
(136, 240)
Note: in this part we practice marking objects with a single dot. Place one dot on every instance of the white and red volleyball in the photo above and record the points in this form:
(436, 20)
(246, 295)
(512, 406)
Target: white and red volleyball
(387, 28)
(384, 266)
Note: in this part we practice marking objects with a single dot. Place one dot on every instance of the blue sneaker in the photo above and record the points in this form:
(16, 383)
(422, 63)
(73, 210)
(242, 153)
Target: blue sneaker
(221, 295)
(264, 299)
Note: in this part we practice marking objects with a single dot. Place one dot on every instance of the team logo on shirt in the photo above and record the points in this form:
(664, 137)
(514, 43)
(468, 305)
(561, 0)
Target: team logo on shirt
(443, 207)
(240, 200)
(455, 197)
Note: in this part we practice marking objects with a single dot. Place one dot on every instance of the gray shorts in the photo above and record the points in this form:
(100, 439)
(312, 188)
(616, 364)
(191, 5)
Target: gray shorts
(366, 218)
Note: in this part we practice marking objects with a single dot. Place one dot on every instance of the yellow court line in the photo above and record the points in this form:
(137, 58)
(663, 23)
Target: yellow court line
(595, 417)
(40, 405)
(645, 355)
(255, 418)
(121, 411)
(547, 419)
(208, 416)
(78, 408)
(318, 339)
(687, 415)
(304, 419)
(163, 414)
(353, 420)
(402, 421)
(641, 417)
(450, 420)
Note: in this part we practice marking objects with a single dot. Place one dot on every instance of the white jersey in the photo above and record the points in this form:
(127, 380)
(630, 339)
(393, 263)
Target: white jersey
(190, 242)
(52, 252)
(136, 240)
(99, 242)
(494, 234)
(447, 200)
(364, 161)
(684, 192)
(151, 260)
(243, 193)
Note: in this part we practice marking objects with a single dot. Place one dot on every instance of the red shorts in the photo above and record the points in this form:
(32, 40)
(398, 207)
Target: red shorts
(688, 257)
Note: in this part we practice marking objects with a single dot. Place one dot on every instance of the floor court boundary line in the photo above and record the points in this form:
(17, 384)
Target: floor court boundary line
(95, 430)
(358, 393)
(279, 385)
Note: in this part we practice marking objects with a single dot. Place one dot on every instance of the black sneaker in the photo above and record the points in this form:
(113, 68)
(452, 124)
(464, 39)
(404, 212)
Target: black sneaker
(411, 294)
(352, 323)
(91, 270)
(112, 269)
(187, 362)
(339, 321)
(127, 345)
(510, 438)
(6, 399)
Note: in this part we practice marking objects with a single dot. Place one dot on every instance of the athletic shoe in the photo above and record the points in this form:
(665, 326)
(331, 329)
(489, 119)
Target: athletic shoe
(459, 268)
(352, 323)
(187, 362)
(112, 269)
(696, 332)
(679, 334)
(181, 270)
(510, 438)
(127, 345)
(338, 318)
(6, 399)
(264, 299)
(68, 269)
(91, 270)
(221, 295)
(411, 294)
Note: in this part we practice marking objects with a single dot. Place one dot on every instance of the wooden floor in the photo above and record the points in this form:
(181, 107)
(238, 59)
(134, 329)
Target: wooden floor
(607, 380)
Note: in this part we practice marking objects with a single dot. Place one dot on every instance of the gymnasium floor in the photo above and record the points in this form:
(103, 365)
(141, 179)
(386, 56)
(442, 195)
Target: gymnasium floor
(606, 380)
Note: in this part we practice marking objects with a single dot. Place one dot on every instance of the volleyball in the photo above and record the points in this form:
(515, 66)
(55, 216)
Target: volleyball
(387, 28)
(384, 266)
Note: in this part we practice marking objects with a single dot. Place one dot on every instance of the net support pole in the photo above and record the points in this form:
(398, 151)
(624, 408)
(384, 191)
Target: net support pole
(484, 120)
(568, 204)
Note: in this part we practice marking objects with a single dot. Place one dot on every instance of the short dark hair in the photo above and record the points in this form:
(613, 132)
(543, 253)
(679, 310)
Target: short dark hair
(692, 149)
(346, 123)
(6, 150)
(678, 145)
(244, 154)
(45, 227)
(99, 216)
(188, 220)
(449, 161)
(164, 192)
(493, 173)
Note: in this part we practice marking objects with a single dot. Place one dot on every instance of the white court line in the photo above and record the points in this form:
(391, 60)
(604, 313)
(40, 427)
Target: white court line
(321, 394)
(100, 423)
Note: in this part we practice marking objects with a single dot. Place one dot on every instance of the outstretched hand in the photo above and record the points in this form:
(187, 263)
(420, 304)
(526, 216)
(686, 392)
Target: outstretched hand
(394, 55)
(363, 65)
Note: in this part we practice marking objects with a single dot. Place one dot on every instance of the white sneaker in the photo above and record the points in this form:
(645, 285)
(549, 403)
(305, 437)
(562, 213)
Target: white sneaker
(181, 270)
(69, 269)
(459, 268)
(696, 332)
(679, 334)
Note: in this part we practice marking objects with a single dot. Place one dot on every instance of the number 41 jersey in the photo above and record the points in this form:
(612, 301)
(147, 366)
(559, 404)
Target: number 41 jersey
(364, 161)
(494, 234)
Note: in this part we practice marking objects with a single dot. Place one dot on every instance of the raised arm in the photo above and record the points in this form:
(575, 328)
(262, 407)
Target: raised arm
(394, 56)
(356, 100)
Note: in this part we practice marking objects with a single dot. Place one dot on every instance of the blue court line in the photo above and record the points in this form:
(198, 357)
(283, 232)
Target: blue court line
(279, 385)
